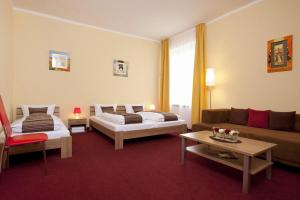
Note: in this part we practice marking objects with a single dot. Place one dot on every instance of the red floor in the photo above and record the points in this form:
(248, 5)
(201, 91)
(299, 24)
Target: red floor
(146, 169)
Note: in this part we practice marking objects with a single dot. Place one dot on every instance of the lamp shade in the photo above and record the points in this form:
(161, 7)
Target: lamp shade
(151, 107)
(210, 77)
(77, 110)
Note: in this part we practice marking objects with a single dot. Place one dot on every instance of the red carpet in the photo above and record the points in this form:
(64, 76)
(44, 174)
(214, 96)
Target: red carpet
(146, 169)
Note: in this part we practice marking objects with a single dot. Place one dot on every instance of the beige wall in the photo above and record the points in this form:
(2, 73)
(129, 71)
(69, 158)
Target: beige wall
(236, 47)
(92, 53)
(6, 68)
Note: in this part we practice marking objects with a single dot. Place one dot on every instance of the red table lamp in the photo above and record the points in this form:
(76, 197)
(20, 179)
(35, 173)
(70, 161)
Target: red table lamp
(77, 112)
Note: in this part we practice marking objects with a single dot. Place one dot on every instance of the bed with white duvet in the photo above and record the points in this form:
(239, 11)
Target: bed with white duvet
(113, 125)
(58, 138)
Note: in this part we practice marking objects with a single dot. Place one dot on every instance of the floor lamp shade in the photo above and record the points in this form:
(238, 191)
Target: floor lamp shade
(210, 77)
(210, 81)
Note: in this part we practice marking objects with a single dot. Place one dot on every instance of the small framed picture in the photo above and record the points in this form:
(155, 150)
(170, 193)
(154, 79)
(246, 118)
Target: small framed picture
(59, 61)
(280, 54)
(120, 68)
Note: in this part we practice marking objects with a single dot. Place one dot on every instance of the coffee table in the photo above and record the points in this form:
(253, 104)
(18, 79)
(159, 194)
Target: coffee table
(245, 152)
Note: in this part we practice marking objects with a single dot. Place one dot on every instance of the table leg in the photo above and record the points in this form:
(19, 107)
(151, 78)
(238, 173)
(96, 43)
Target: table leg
(246, 173)
(269, 159)
(183, 150)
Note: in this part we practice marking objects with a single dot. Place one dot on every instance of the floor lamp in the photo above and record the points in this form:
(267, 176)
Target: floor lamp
(210, 81)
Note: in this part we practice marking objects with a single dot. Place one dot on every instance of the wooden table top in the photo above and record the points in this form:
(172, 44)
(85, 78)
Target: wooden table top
(247, 146)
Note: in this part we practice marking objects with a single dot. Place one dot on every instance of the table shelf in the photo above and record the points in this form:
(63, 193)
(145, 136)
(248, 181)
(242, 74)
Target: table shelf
(211, 153)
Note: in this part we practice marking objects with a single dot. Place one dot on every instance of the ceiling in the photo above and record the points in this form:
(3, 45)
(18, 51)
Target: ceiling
(153, 19)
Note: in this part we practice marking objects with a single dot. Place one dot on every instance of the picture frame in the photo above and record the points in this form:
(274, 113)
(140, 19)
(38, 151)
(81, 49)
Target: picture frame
(280, 54)
(59, 61)
(120, 68)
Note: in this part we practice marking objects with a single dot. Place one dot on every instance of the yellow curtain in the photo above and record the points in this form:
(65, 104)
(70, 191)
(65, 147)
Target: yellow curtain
(164, 77)
(199, 88)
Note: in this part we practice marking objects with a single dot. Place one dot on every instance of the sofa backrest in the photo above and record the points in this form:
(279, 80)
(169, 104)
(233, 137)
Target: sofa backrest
(211, 116)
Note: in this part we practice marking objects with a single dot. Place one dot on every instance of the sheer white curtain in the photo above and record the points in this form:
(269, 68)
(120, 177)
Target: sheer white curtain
(182, 54)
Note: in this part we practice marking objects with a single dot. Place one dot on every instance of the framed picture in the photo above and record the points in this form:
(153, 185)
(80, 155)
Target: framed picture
(280, 53)
(59, 61)
(120, 68)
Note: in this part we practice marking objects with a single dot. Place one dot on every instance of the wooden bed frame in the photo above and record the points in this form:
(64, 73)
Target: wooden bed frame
(120, 136)
(63, 143)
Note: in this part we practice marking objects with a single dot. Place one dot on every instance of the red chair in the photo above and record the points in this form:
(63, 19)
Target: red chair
(24, 139)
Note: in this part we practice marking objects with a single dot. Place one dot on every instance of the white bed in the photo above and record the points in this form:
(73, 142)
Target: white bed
(58, 139)
(119, 132)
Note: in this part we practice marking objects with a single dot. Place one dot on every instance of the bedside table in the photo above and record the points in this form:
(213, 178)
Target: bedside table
(72, 122)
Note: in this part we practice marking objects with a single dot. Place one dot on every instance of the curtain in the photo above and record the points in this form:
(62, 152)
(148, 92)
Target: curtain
(199, 89)
(164, 77)
(182, 53)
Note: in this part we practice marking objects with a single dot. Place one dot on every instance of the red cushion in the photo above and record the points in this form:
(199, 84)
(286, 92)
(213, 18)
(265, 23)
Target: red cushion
(258, 118)
(26, 139)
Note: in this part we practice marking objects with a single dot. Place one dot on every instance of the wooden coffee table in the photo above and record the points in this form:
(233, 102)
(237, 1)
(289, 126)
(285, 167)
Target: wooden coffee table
(246, 153)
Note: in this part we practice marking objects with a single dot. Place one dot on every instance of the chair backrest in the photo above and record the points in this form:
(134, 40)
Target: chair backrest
(4, 120)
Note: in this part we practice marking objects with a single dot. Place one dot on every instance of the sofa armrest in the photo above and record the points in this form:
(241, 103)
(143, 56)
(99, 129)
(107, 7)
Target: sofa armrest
(211, 116)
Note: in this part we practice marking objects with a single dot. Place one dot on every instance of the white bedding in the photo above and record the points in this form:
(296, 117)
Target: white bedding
(62, 131)
(17, 125)
(153, 116)
(117, 119)
(131, 127)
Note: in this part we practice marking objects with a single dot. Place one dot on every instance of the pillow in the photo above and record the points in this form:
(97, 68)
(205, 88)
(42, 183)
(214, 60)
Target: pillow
(258, 118)
(284, 121)
(107, 109)
(37, 110)
(121, 109)
(297, 123)
(137, 109)
(25, 110)
(98, 109)
(239, 116)
(129, 107)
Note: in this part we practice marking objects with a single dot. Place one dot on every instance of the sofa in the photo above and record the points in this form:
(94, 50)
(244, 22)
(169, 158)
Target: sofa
(287, 150)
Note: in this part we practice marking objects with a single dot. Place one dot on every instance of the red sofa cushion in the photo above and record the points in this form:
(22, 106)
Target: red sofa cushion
(258, 118)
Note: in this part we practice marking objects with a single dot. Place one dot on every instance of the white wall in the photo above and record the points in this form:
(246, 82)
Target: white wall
(237, 46)
(92, 53)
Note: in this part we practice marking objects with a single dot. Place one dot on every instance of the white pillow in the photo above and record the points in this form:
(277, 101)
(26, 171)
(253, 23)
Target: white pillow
(98, 109)
(129, 108)
(50, 109)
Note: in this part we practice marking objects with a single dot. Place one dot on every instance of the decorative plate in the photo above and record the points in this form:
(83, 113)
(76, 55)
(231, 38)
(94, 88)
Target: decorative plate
(225, 140)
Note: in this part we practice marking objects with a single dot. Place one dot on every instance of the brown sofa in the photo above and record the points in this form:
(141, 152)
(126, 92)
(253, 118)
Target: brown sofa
(288, 149)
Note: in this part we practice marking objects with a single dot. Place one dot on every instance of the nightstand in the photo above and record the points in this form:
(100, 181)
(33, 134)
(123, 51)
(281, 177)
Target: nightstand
(73, 122)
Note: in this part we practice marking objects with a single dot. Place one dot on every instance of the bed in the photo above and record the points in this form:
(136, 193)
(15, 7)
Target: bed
(119, 132)
(58, 139)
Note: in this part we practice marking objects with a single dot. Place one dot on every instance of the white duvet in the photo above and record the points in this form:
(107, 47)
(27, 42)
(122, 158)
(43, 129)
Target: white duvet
(147, 116)
(153, 116)
(117, 119)
(17, 125)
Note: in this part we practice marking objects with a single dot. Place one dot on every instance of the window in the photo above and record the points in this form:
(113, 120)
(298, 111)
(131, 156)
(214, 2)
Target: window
(182, 54)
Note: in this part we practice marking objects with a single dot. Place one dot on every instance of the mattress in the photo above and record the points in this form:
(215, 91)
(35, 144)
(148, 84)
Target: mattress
(61, 132)
(133, 127)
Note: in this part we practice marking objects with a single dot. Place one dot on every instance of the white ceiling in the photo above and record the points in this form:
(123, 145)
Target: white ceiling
(154, 19)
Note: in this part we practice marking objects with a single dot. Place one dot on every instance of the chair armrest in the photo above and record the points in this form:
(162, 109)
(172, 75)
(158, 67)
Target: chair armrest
(211, 116)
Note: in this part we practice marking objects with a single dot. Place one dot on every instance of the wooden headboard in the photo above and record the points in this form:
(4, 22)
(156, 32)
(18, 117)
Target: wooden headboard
(92, 111)
(19, 113)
